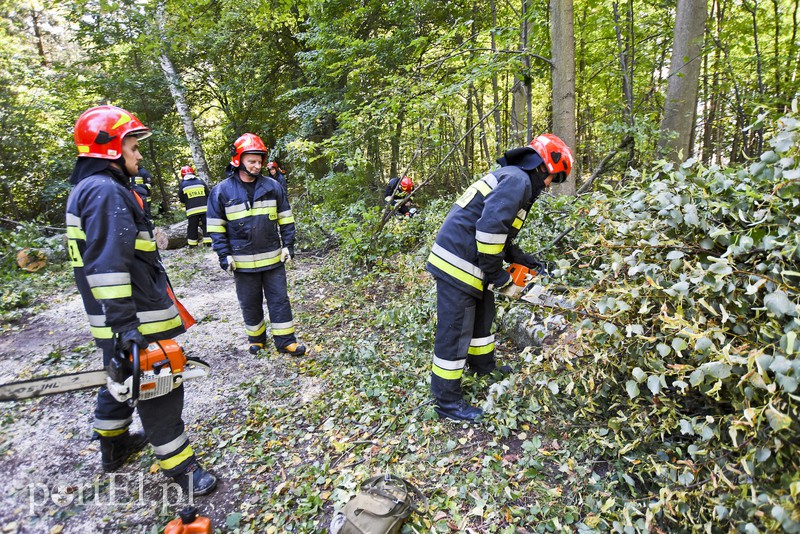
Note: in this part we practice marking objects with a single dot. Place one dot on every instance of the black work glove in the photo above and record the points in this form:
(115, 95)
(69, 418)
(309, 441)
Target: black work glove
(129, 337)
(532, 262)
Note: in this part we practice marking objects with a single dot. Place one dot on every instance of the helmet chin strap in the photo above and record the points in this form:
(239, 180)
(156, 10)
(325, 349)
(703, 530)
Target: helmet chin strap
(250, 174)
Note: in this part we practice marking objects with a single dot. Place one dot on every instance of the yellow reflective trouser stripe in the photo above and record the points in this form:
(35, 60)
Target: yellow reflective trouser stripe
(256, 264)
(160, 326)
(101, 332)
(261, 329)
(286, 220)
(146, 246)
(191, 241)
(455, 272)
(216, 229)
(112, 292)
(111, 433)
(446, 374)
(175, 461)
(477, 351)
(484, 248)
(282, 331)
(517, 223)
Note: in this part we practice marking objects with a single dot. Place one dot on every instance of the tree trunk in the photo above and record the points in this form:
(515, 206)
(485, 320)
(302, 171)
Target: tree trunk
(498, 124)
(680, 105)
(562, 39)
(171, 237)
(520, 109)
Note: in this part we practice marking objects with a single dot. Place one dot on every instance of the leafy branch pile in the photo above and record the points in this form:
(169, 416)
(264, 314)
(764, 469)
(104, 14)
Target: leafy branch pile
(683, 379)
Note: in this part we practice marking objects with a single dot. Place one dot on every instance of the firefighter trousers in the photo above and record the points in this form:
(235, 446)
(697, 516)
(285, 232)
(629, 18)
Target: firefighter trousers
(463, 338)
(161, 420)
(194, 223)
(252, 289)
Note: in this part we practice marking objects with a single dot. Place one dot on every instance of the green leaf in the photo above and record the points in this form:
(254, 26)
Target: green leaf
(779, 304)
(233, 520)
(632, 388)
(654, 384)
(777, 420)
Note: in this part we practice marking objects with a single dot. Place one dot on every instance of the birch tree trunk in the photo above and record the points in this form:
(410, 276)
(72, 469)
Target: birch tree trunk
(562, 39)
(680, 105)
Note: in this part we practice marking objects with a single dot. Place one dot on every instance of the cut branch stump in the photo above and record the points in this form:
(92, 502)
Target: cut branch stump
(172, 236)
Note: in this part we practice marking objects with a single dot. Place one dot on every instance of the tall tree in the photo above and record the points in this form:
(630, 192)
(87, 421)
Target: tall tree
(680, 105)
(562, 39)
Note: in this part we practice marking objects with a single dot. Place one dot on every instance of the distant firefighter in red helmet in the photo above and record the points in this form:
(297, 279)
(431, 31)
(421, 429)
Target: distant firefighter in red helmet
(398, 193)
(194, 196)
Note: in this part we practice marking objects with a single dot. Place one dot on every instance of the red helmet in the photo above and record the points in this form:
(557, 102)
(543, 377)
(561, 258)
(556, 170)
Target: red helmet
(247, 144)
(406, 184)
(99, 131)
(186, 169)
(272, 165)
(556, 155)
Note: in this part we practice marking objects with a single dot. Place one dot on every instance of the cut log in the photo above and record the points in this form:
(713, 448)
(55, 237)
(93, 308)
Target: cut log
(171, 237)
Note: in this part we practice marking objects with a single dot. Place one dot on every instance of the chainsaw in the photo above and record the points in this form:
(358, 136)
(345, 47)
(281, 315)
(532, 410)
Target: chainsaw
(163, 366)
(534, 293)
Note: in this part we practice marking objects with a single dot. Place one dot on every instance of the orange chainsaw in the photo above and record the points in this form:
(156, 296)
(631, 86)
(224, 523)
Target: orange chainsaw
(162, 367)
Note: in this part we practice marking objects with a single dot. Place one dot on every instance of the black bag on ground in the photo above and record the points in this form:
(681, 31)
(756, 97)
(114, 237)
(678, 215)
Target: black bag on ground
(381, 507)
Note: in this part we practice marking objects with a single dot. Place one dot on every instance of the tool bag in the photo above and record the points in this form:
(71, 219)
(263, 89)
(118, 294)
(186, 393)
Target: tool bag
(381, 507)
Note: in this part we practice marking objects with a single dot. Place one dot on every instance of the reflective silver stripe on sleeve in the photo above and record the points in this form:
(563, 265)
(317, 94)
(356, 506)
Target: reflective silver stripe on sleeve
(97, 320)
(285, 214)
(491, 180)
(495, 239)
(73, 220)
(157, 315)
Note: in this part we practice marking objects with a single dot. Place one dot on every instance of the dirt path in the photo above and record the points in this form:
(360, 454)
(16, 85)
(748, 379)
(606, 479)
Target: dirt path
(52, 481)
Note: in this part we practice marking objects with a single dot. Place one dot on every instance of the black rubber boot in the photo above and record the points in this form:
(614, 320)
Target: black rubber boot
(255, 348)
(196, 480)
(115, 451)
(295, 349)
(450, 403)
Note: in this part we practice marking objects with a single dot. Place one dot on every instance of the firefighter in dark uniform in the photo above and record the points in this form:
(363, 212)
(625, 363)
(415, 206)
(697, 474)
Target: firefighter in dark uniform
(194, 196)
(124, 288)
(467, 263)
(252, 229)
(394, 195)
(276, 173)
(142, 183)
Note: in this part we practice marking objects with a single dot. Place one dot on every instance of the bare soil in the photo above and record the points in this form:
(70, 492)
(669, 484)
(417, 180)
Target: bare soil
(50, 468)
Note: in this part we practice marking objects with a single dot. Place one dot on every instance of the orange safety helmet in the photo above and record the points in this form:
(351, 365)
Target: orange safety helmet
(186, 169)
(406, 184)
(99, 131)
(556, 155)
(247, 144)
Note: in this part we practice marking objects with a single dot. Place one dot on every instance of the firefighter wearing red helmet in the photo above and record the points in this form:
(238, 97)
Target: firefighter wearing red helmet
(277, 174)
(467, 262)
(193, 194)
(398, 193)
(252, 230)
(124, 288)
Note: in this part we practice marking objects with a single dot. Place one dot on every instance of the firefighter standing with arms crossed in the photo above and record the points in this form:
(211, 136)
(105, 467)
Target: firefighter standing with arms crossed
(194, 196)
(252, 229)
(467, 262)
(124, 289)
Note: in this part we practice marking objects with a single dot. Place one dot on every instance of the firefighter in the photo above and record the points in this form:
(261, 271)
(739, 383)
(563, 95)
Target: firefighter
(252, 229)
(123, 284)
(394, 195)
(142, 183)
(467, 262)
(194, 196)
(276, 173)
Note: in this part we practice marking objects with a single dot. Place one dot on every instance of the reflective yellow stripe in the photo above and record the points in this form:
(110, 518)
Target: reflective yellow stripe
(455, 272)
(256, 264)
(195, 211)
(447, 375)
(216, 229)
(286, 220)
(483, 187)
(282, 331)
(483, 248)
(73, 232)
(110, 433)
(75, 258)
(254, 333)
(112, 292)
(160, 326)
(191, 242)
(477, 351)
(517, 223)
(175, 461)
(144, 245)
(101, 332)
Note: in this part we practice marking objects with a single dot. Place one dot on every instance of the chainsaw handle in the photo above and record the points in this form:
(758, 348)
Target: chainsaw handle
(135, 377)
